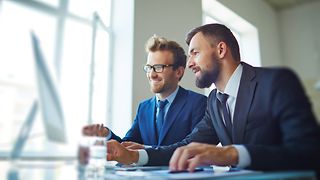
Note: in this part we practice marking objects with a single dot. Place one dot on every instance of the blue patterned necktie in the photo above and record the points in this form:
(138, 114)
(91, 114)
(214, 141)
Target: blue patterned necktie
(160, 115)
(225, 111)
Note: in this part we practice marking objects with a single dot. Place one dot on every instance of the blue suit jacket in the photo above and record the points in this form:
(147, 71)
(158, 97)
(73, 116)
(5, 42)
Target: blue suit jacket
(272, 119)
(186, 110)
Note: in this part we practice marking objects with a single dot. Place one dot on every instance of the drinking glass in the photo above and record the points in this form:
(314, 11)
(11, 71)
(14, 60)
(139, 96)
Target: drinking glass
(92, 156)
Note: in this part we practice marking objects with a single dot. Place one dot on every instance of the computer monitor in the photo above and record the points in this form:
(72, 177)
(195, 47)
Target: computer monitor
(48, 97)
(48, 100)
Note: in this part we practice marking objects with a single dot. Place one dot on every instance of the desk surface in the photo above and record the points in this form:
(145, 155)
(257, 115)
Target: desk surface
(59, 170)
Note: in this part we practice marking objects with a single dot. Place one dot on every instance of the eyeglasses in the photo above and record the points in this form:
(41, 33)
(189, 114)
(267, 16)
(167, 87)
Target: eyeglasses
(158, 68)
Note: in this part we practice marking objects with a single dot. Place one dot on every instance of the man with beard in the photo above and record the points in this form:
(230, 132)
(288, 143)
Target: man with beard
(261, 116)
(182, 110)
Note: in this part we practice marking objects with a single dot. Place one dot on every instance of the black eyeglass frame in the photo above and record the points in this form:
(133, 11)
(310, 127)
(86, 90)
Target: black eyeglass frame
(158, 68)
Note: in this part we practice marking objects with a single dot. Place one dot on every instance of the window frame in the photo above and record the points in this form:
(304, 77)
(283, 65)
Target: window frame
(61, 14)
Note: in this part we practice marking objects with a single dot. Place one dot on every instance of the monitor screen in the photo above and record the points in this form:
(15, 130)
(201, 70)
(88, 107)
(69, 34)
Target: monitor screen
(48, 97)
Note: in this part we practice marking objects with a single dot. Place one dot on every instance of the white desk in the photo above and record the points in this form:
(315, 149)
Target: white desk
(39, 170)
(68, 170)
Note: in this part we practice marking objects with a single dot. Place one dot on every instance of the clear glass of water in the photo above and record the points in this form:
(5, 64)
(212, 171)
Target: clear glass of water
(92, 155)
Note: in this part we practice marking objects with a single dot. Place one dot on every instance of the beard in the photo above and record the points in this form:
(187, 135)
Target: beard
(209, 76)
(156, 88)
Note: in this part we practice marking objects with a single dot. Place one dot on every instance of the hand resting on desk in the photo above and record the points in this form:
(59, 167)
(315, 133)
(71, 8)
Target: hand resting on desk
(132, 145)
(119, 153)
(199, 154)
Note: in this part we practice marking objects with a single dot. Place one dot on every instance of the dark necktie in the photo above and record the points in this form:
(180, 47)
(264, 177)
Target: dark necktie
(225, 110)
(160, 116)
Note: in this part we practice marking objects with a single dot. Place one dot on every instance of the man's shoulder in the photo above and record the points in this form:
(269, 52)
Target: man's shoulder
(275, 72)
(147, 102)
(275, 78)
(191, 93)
(268, 69)
(192, 97)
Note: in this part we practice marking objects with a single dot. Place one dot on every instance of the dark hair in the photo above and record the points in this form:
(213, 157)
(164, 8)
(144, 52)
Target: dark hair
(156, 43)
(216, 33)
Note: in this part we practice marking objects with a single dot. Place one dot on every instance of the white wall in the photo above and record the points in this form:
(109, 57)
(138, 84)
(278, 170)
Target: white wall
(168, 18)
(300, 30)
(265, 19)
(300, 34)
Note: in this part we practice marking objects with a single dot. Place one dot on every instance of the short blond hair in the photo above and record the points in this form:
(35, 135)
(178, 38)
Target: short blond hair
(156, 43)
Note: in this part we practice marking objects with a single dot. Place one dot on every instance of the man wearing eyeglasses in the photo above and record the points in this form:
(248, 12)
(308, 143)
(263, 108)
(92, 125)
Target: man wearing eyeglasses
(172, 113)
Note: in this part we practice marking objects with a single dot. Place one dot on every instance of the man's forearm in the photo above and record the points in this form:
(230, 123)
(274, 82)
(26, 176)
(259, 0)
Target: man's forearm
(134, 156)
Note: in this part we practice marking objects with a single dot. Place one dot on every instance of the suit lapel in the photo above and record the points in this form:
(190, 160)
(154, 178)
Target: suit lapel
(151, 129)
(218, 121)
(244, 100)
(175, 108)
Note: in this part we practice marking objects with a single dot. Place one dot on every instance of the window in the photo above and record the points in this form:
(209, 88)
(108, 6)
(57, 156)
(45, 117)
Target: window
(208, 19)
(75, 38)
(245, 33)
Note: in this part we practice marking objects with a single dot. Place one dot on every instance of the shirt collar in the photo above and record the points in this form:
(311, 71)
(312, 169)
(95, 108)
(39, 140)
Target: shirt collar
(171, 97)
(232, 86)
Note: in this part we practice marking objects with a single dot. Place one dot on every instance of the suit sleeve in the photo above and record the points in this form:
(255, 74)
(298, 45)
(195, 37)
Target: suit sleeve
(199, 110)
(300, 133)
(133, 134)
(203, 132)
(115, 137)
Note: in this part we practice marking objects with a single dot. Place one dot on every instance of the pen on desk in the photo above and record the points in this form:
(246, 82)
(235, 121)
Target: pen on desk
(184, 171)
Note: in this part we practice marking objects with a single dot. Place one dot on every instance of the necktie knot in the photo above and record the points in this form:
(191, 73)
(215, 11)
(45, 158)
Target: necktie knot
(222, 97)
(162, 104)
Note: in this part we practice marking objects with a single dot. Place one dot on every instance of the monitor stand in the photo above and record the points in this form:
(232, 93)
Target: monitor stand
(20, 141)
(24, 132)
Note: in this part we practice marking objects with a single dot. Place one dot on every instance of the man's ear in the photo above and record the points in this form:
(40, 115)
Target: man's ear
(180, 72)
(221, 49)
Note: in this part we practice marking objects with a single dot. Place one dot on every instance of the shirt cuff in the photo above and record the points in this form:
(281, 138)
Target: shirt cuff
(244, 156)
(147, 146)
(108, 137)
(143, 157)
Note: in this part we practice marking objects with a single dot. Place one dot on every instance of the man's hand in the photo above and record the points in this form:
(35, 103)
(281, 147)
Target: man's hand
(132, 145)
(95, 130)
(117, 152)
(196, 154)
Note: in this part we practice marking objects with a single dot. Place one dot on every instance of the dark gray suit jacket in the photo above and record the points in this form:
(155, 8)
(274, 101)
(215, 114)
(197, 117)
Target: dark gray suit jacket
(272, 119)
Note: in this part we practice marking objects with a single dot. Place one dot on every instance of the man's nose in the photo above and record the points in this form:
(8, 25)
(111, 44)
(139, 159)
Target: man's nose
(190, 63)
(152, 73)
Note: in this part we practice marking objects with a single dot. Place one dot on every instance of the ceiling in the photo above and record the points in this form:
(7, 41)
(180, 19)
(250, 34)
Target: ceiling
(283, 4)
